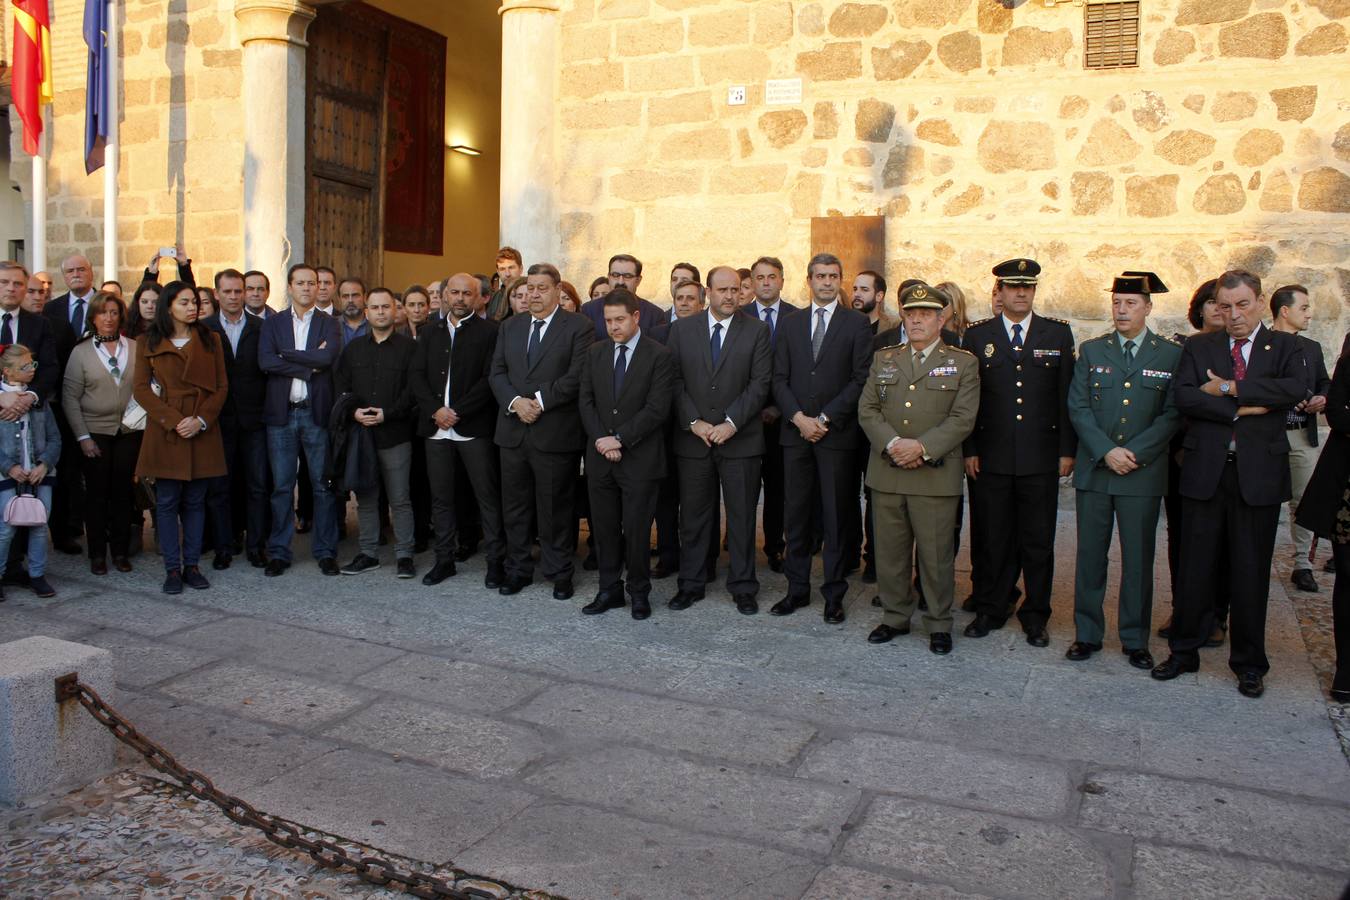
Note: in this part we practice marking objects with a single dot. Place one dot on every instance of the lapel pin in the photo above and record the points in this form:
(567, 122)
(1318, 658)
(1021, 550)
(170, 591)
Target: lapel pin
(988, 350)
(1266, 347)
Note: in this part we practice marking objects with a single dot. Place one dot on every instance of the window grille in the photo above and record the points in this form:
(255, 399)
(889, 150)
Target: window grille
(1110, 35)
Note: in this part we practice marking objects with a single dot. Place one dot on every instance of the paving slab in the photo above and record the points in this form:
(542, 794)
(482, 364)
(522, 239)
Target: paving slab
(460, 742)
(1166, 873)
(848, 883)
(771, 809)
(402, 807)
(602, 715)
(300, 650)
(254, 693)
(1000, 782)
(588, 854)
(1169, 811)
(133, 612)
(981, 852)
(651, 669)
(21, 621)
(453, 682)
(140, 661)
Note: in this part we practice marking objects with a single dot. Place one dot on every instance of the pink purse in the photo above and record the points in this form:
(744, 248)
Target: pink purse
(25, 511)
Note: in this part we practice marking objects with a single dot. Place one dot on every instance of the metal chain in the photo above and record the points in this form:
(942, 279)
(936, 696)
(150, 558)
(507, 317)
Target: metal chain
(374, 869)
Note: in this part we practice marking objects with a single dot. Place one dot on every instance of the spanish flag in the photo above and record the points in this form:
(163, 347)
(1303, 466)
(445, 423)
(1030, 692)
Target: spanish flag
(32, 76)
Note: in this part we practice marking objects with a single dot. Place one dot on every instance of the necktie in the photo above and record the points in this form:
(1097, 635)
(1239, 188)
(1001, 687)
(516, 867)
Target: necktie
(773, 330)
(620, 370)
(77, 318)
(7, 331)
(1239, 364)
(1129, 353)
(1017, 336)
(818, 336)
(716, 344)
(532, 351)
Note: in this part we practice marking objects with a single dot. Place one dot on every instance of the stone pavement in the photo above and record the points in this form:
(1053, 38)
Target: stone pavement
(705, 753)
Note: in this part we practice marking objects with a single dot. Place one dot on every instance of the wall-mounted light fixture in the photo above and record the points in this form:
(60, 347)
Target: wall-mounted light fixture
(466, 150)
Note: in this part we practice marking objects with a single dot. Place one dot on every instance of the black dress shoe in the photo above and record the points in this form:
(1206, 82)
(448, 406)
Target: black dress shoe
(789, 605)
(1216, 636)
(876, 601)
(1081, 650)
(683, 600)
(98, 566)
(495, 577)
(514, 584)
(438, 573)
(1172, 667)
(562, 589)
(884, 633)
(834, 612)
(1165, 631)
(590, 563)
(940, 642)
(221, 562)
(1340, 695)
(1303, 580)
(746, 604)
(641, 608)
(257, 559)
(275, 567)
(1140, 659)
(1037, 637)
(329, 566)
(602, 603)
(1250, 685)
(980, 626)
(775, 561)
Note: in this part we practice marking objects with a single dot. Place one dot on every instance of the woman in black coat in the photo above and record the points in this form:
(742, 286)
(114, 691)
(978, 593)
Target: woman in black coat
(1325, 511)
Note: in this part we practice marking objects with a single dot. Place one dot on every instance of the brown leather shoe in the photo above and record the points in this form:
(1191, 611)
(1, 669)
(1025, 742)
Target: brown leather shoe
(121, 564)
(98, 566)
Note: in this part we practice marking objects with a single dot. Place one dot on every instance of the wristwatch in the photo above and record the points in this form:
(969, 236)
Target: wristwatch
(1225, 387)
(823, 419)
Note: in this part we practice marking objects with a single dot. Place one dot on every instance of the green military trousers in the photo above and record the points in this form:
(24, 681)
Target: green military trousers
(902, 522)
(1137, 520)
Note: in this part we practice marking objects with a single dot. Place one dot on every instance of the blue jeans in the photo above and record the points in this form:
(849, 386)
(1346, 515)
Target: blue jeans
(284, 445)
(183, 501)
(37, 536)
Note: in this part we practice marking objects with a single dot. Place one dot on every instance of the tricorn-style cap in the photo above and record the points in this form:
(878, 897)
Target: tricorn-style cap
(1138, 283)
(923, 296)
(1018, 271)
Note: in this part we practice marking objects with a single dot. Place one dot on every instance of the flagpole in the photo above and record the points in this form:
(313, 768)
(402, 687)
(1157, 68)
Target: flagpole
(38, 259)
(111, 151)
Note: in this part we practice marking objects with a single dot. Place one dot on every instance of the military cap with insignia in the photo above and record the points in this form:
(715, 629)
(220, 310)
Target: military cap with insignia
(1018, 271)
(1138, 283)
(923, 296)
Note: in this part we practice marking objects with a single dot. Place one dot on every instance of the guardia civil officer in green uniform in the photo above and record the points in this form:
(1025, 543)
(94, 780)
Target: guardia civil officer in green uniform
(1120, 403)
(919, 404)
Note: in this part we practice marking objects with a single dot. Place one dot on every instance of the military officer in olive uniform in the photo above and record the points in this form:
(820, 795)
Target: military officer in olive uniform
(1022, 445)
(1121, 406)
(919, 404)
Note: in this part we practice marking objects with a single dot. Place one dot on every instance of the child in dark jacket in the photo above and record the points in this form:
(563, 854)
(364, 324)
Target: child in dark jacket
(29, 449)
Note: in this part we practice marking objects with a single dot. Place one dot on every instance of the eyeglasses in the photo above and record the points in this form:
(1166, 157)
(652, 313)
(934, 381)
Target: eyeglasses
(28, 367)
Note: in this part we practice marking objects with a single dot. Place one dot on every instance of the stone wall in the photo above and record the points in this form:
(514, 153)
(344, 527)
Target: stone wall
(976, 130)
(182, 157)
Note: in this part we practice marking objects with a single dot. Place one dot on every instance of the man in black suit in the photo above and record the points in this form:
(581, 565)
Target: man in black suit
(1022, 445)
(1235, 388)
(536, 378)
(769, 308)
(723, 371)
(820, 366)
(626, 390)
(67, 317)
(238, 500)
(457, 414)
(257, 288)
(624, 271)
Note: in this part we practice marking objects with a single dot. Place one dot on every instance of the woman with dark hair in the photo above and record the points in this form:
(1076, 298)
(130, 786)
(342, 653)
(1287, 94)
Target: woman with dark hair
(95, 398)
(1203, 313)
(141, 311)
(599, 287)
(206, 303)
(517, 300)
(1325, 511)
(568, 298)
(180, 381)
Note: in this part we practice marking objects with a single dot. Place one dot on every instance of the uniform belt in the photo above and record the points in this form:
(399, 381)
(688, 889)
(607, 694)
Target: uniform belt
(299, 404)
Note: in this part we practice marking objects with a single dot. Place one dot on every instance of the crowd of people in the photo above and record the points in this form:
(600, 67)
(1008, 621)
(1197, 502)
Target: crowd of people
(492, 413)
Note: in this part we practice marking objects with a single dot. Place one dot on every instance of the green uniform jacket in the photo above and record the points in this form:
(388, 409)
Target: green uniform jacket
(1114, 405)
(936, 406)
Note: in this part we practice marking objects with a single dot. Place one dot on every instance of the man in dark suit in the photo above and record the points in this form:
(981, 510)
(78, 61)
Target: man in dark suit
(624, 271)
(769, 308)
(723, 371)
(257, 288)
(67, 318)
(297, 350)
(1235, 388)
(239, 498)
(536, 378)
(626, 390)
(1022, 445)
(820, 366)
(1291, 313)
(457, 415)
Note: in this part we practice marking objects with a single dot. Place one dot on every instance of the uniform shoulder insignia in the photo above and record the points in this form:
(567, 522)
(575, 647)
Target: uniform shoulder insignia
(1053, 319)
(1171, 340)
(887, 353)
(955, 349)
(981, 322)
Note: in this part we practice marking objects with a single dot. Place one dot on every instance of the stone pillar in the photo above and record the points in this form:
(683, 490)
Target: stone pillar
(273, 36)
(529, 221)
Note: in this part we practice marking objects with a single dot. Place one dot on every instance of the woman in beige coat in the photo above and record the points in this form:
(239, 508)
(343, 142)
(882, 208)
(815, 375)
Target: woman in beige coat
(95, 397)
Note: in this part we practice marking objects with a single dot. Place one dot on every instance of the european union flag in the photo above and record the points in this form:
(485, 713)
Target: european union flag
(96, 84)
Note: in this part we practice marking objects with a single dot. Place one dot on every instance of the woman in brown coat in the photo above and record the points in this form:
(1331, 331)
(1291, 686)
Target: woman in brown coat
(180, 381)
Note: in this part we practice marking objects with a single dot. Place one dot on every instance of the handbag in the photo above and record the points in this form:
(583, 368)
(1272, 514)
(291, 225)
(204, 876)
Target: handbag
(25, 510)
(134, 416)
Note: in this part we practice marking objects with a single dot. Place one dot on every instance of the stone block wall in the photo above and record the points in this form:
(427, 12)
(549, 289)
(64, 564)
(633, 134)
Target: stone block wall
(182, 156)
(976, 130)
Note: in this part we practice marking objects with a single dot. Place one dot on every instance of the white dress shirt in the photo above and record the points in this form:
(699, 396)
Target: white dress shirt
(529, 336)
(1008, 326)
(828, 309)
(300, 325)
(449, 434)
